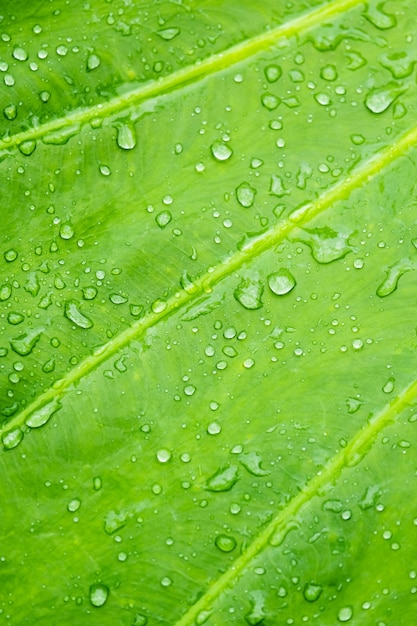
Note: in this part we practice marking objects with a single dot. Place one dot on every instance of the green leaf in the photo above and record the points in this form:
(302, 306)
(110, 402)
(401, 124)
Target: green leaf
(208, 336)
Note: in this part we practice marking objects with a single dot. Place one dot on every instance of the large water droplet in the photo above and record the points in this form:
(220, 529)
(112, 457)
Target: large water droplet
(73, 313)
(326, 244)
(257, 613)
(99, 594)
(61, 136)
(12, 438)
(93, 61)
(277, 187)
(281, 282)
(223, 479)
(126, 135)
(43, 415)
(272, 73)
(24, 344)
(378, 100)
(225, 543)
(221, 151)
(252, 462)
(345, 614)
(394, 273)
(27, 147)
(168, 33)
(245, 195)
(377, 16)
(312, 592)
(249, 293)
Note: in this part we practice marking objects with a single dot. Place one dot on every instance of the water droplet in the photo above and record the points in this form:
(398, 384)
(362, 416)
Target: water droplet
(105, 170)
(44, 95)
(10, 112)
(61, 136)
(272, 73)
(378, 100)
(20, 54)
(257, 613)
(163, 455)
(186, 283)
(252, 462)
(24, 344)
(74, 505)
(376, 15)
(214, 428)
(89, 293)
(10, 255)
(202, 617)
(249, 293)
(163, 218)
(248, 363)
(42, 415)
(221, 151)
(15, 318)
(312, 592)
(245, 195)
(73, 313)
(326, 244)
(66, 231)
(370, 497)
(97, 483)
(93, 61)
(116, 298)
(225, 543)
(328, 72)
(12, 439)
(394, 273)
(140, 620)
(189, 390)
(5, 292)
(223, 479)
(389, 385)
(126, 136)
(399, 64)
(281, 533)
(345, 614)
(27, 147)
(335, 506)
(269, 101)
(281, 282)
(99, 594)
(114, 521)
(158, 306)
(168, 33)
(277, 187)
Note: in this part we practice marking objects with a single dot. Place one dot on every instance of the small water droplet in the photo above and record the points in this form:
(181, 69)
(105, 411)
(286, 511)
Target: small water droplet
(312, 592)
(249, 293)
(97, 483)
(20, 54)
(328, 72)
(74, 505)
(72, 312)
(345, 614)
(393, 275)
(277, 187)
(168, 33)
(66, 231)
(116, 298)
(89, 293)
(245, 194)
(389, 385)
(251, 461)
(269, 101)
(93, 61)
(223, 479)
(163, 455)
(163, 219)
(281, 282)
(272, 73)
(99, 594)
(5, 292)
(326, 244)
(221, 151)
(10, 112)
(15, 318)
(214, 428)
(225, 543)
(27, 147)
(10, 255)
(257, 613)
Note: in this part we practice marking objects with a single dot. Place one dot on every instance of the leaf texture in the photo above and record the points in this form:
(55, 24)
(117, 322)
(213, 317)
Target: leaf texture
(207, 347)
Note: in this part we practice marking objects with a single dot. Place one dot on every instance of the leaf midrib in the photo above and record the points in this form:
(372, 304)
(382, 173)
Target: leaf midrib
(156, 89)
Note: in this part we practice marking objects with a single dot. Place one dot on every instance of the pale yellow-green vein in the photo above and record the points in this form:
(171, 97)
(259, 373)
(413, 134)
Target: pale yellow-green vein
(154, 89)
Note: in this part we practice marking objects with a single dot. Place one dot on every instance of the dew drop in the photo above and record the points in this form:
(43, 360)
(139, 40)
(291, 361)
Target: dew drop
(163, 219)
(168, 33)
(225, 543)
(99, 594)
(42, 415)
(380, 19)
(281, 282)
(345, 614)
(12, 438)
(221, 151)
(10, 255)
(272, 73)
(27, 147)
(116, 298)
(15, 318)
(249, 293)
(378, 100)
(312, 592)
(74, 505)
(66, 231)
(223, 479)
(214, 428)
(163, 455)
(10, 112)
(73, 313)
(245, 195)
(393, 275)
(389, 385)
(24, 344)
(126, 136)
(105, 170)
(20, 54)
(93, 61)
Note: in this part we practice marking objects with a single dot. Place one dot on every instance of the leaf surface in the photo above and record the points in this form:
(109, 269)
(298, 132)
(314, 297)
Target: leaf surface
(207, 347)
